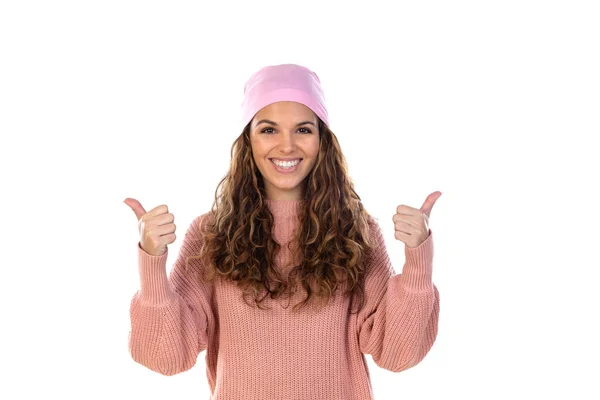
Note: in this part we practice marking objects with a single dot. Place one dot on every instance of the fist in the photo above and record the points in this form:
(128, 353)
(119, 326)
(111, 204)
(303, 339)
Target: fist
(156, 227)
(411, 225)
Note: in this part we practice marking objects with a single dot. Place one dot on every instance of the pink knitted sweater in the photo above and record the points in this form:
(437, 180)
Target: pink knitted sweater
(254, 354)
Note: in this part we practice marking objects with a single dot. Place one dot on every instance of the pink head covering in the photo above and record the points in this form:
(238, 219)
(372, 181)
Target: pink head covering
(284, 82)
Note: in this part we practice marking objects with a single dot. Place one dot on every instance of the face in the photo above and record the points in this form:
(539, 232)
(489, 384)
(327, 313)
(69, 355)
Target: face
(281, 131)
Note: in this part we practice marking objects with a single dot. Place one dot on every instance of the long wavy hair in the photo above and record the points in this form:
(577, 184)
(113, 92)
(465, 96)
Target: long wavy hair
(333, 237)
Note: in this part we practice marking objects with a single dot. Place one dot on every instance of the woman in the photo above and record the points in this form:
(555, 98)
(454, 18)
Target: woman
(286, 228)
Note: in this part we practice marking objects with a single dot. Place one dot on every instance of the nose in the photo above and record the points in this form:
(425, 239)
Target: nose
(286, 142)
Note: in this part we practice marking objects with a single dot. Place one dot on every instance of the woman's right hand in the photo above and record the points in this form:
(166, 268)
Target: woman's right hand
(156, 227)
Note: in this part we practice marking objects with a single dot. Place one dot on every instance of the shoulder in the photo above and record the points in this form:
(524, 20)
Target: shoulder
(200, 222)
(372, 220)
(375, 234)
(198, 227)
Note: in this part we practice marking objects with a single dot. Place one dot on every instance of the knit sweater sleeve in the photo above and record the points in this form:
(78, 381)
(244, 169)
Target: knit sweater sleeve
(170, 315)
(399, 321)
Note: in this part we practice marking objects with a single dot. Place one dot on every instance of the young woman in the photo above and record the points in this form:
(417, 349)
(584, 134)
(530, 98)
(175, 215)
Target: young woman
(286, 282)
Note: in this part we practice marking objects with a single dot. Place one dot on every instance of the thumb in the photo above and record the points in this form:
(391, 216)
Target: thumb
(429, 202)
(135, 206)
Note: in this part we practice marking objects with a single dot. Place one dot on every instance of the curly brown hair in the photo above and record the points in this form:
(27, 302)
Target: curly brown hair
(333, 234)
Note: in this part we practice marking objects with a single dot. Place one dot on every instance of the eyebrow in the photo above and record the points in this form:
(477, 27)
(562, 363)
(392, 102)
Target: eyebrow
(275, 123)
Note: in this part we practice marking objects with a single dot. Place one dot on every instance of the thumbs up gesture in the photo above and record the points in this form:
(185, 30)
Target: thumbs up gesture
(411, 225)
(156, 227)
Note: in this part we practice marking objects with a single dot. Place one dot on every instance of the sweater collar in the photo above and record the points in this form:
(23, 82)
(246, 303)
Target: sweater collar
(285, 219)
(282, 209)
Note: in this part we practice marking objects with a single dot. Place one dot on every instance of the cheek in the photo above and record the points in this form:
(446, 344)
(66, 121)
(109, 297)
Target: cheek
(258, 149)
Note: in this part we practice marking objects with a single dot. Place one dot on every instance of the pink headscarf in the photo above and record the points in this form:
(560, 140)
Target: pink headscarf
(284, 82)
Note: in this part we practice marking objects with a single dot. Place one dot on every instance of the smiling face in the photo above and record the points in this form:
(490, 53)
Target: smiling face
(281, 131)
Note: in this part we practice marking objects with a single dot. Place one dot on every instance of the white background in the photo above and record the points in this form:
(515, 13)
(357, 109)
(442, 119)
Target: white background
(495, 104)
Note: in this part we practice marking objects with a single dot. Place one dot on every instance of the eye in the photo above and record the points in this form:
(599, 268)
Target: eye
(306, 129)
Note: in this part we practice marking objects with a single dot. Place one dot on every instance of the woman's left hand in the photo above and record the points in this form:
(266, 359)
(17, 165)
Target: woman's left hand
(411, 225)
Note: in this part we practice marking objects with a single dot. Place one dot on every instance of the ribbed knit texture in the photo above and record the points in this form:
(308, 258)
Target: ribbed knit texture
(254, 354)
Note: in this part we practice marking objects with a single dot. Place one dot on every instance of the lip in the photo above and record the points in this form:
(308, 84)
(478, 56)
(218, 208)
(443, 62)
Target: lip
(285, 159)
(286, 171)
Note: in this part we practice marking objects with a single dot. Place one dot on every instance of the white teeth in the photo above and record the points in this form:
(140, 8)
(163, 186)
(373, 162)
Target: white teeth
(285, 164)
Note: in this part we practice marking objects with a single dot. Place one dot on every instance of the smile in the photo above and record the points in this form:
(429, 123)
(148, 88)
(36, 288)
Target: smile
(286, 166)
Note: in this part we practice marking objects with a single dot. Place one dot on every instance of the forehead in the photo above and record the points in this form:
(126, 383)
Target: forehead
(286, 109)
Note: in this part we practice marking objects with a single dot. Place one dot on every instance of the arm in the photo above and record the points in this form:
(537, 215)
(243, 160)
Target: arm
(399, 322)
(170, 316)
